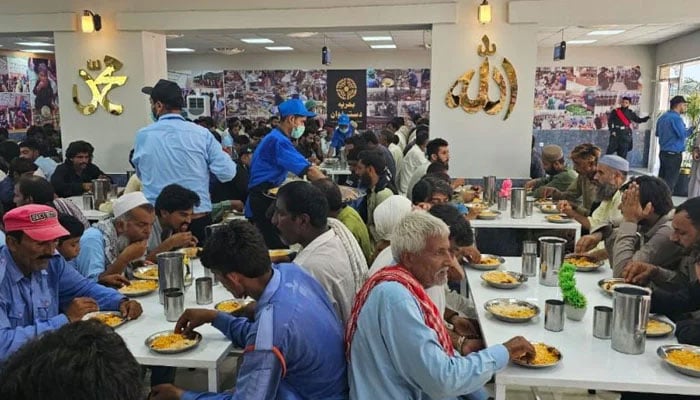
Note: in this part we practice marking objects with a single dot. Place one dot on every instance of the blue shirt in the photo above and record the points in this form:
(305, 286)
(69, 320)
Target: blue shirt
(671, 131)
(395, 355)
(31, 305)
(91, 260)
(272, 160)
(46, 165)
(173, 150)
(338, 138)
(306, 331)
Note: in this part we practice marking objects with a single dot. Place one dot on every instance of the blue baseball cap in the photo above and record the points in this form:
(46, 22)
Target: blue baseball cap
(294, 107)
(343, 119)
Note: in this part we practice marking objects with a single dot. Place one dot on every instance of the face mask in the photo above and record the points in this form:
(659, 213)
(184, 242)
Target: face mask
(298, 131)
(154, 115)
(344, 130)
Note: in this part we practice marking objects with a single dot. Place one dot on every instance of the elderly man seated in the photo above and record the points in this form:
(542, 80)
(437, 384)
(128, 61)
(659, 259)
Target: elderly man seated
(393, 316)
(39, 292)
(582, 191)
(559, 176)
(107, 248)
(174, 208)
(293, 346)
(331, 254)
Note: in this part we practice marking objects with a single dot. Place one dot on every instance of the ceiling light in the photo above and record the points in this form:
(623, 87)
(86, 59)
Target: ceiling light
(376, 38)
(383, 46)
(229, 51)
(606, 32)
(279, 48)
(302, 34)
(257, 40)
(584, 41)
(37, 51)
(484, 15)
(90, 22)
(174, 36)
(180, 50)
(35, 44)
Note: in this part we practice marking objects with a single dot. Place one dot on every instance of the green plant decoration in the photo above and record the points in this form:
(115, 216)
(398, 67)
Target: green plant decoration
(567, 283)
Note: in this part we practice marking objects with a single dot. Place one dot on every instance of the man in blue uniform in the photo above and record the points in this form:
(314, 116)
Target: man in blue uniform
(672, 134)
(340, 134)
(273, 159)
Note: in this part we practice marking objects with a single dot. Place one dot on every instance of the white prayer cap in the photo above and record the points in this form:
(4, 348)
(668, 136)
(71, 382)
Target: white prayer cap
(389, 213)
(615, 162)
(127, 203)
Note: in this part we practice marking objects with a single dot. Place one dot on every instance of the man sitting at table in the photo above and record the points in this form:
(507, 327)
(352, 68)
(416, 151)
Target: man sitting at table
(372, 142)
(39, 292)
(438, 153)
(644, 234)
(611, 174)
(294, 345)
(75, 175)
(110, 245)
(345, 214)
(174, 208)
(413, 159)
(430, 191)
(29, 149)
(393, 317)
(559, 176)
(372, 172)
(581, 193)
(331, 254)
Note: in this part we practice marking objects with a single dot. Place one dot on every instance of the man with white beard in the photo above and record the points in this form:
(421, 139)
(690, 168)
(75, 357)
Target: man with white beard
(110, 245)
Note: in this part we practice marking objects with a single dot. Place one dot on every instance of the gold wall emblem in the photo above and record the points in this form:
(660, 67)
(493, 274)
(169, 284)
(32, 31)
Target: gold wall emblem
(347, 90)
(458, 94)
(100, 86)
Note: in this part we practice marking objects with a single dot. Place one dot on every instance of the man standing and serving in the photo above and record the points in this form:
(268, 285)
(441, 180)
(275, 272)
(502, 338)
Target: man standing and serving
(672, 134)
(620, 127)
(39, 292)
(172, 150)
(274, 157)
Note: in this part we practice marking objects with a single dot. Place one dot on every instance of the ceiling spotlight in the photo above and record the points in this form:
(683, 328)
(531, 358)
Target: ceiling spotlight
(229, 51)
(484, 12)
(90, 22)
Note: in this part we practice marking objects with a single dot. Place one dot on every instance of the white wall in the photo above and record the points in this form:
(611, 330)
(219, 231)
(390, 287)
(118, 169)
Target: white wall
(600, 56)
(679, 49)
(483, 144)
(293, 60)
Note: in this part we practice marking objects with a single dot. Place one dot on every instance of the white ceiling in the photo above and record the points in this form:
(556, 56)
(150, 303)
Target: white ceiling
(633, 35)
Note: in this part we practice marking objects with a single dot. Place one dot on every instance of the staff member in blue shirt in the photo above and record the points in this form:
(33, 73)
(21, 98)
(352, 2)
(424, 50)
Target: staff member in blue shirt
(340, 134)
(672, 134)
(172, 150)
(274, 157)
(293, 346)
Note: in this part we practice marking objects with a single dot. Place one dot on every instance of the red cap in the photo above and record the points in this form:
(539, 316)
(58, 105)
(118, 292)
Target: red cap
(37, 221)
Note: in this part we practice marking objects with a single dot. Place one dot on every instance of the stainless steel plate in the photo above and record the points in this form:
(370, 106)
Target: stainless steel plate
(617, 282)
(488, 267)
(561, 220)
(96, 313)
(138, 293)
(549, 209)
(242, 303)
(671, 327)
(495, 302)
(140, 273)
(552, 349)
(492, 215)
(520, 277)
(594, 264)
(197, 339)
(663, 352)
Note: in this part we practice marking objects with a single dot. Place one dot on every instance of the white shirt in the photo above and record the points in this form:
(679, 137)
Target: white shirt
(413, 159)
(436, 293)
(419, 173)
(397, 154)
(326, 260)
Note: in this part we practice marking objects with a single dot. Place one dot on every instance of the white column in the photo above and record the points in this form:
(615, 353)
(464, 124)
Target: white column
(482, 144)
(144, 62)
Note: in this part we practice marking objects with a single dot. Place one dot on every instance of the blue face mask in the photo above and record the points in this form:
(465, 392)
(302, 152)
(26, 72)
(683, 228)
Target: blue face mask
(298, 131)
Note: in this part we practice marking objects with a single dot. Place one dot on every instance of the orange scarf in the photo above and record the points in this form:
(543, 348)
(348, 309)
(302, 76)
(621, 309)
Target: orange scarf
(399, 273)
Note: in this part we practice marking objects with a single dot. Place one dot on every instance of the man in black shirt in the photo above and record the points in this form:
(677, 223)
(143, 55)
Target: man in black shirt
(75, 175)
(236, 190)
(619, 125)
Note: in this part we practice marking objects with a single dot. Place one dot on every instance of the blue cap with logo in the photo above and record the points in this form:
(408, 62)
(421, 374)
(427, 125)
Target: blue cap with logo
(294, 107)
(343, 119)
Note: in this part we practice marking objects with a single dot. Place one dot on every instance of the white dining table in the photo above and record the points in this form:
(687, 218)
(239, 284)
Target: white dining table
(587, 362)
(210, 352)
(535, 221)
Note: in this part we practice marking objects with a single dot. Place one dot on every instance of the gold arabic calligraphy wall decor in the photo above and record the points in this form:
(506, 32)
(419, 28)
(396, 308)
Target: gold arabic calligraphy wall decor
(100, 86)
(458, 96)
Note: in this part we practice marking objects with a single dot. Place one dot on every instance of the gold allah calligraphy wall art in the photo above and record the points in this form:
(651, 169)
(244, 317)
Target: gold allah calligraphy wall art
(101, 86)
(458, 93)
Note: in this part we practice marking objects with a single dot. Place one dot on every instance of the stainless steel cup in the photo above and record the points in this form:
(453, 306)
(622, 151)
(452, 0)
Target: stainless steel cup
(530, 246)
(529, 264)
(518, 203)
(174, 304)
(602, 322)
(551, 257)
(490, 189)
(554, 315)
(210, 274)
(529, 207)
(630, 316)
(170, 272)
(502, 203)
(101, 188)
(204, 290)
(88, 201)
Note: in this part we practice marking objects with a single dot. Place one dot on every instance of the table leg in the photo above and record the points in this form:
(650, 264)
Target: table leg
(500, 391)
(213, 379)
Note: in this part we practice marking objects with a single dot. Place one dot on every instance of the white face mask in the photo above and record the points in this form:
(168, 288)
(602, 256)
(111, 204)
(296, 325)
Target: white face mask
(344, 130)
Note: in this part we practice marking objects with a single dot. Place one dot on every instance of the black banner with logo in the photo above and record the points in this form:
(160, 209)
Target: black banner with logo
(347, 94)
